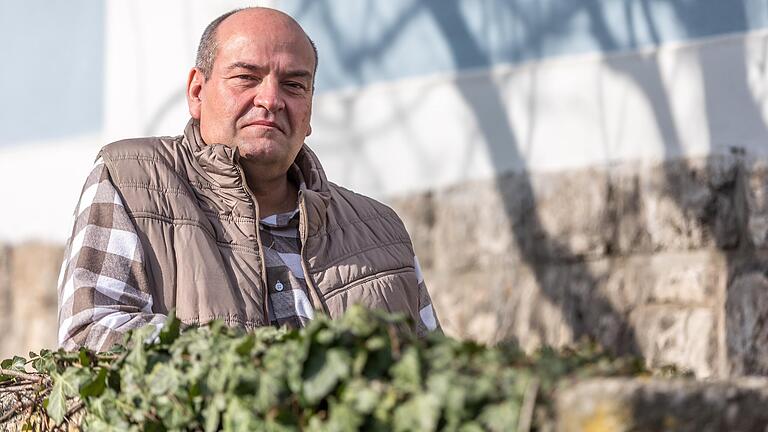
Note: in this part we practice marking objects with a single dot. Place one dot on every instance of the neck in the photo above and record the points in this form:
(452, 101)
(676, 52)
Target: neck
(274, 194)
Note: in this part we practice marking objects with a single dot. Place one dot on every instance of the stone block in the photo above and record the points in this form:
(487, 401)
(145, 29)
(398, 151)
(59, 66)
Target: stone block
(746, 312)
(470, 304)
(528, 219)
(689, 204)
(664, 308)
(471, 228)
(627, 222)
(629, 208)
(686, 337)
(673, 278)
(692, 279)
(756, 184)
(571, 215)
(650, 405)
(418, 213)
(501, 305)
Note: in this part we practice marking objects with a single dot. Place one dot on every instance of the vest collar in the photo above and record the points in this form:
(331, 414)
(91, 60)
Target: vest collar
(316, 192)
(220, 164)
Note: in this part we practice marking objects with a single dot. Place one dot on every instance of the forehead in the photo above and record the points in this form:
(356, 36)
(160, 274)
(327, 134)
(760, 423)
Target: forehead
(263, 37)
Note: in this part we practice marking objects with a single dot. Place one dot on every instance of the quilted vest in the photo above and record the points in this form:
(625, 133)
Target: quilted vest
(199, 227)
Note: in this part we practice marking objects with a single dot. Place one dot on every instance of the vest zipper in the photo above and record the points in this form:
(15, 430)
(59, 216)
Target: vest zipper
(313, 293)
(262, 263)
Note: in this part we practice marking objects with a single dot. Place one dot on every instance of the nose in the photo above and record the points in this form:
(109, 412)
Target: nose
(268, 95)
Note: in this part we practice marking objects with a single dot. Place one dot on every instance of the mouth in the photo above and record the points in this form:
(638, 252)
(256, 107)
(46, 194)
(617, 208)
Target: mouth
(265, 123)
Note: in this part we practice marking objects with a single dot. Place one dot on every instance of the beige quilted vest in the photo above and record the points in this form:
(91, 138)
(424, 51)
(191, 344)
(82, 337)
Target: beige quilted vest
(199, 229)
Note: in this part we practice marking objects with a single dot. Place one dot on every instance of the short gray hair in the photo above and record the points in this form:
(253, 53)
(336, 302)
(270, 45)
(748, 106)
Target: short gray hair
(206, 51)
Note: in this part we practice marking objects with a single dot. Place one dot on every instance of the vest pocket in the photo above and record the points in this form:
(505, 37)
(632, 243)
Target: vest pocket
(344, 288)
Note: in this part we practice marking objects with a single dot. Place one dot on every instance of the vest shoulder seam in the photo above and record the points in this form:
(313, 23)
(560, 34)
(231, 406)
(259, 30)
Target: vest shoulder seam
(359, 251)
(147, 158)
(149, 186)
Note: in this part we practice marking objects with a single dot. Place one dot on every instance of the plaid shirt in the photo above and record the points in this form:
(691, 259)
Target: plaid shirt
(104, 290)
(289, 302)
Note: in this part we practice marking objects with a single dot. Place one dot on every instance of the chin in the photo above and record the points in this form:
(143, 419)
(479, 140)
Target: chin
(262, 153)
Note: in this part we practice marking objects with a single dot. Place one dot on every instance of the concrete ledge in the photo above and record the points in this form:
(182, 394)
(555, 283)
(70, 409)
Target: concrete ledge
(652, 405)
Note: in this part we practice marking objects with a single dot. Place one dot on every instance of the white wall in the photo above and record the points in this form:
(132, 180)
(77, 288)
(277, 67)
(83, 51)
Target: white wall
(414, 133)
(685, 99)
(423, 132)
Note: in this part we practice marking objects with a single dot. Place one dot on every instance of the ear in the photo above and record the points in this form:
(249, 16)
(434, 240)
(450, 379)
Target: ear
(309, 130)
(194, 92)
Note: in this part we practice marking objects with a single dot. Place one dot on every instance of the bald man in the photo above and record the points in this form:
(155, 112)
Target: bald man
(234, 220)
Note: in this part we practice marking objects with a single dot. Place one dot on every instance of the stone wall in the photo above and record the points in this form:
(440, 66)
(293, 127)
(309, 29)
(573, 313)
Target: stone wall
(666, 260)
(28, 297)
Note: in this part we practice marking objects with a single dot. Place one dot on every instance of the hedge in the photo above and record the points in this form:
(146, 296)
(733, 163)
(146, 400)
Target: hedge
(355, 373)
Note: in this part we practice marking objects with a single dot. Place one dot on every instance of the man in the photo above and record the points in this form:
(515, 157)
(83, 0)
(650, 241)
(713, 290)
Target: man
(235, 219)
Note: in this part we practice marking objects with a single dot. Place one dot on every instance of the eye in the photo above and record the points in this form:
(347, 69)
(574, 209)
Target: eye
(295, 85)
(245, 77)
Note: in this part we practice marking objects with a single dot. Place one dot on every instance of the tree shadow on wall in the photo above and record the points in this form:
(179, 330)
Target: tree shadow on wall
(561, 275)
(721, 209)
(587, 310)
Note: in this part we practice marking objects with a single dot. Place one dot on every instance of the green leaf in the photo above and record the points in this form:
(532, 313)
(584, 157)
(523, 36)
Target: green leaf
(141, 336)
(343, 418)
(19, 363)
(239, 418)
(171, 328)
(501, 417)
(322, 373)
(85, 358)
(16, 363)
(406, 373)
(45, 363)
(420, 413)
(471, 426)
(164, 379)
(213, 412)
(93, 386)
(64, 386)
(269, 392)
(137, 357)
(363, 395)
(245, 346)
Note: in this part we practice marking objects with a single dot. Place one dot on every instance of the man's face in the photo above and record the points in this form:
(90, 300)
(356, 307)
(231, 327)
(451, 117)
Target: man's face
(259, 95)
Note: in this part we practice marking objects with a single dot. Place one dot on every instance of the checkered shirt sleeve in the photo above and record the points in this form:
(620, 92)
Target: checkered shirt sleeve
(428, 322)
(103, 288)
